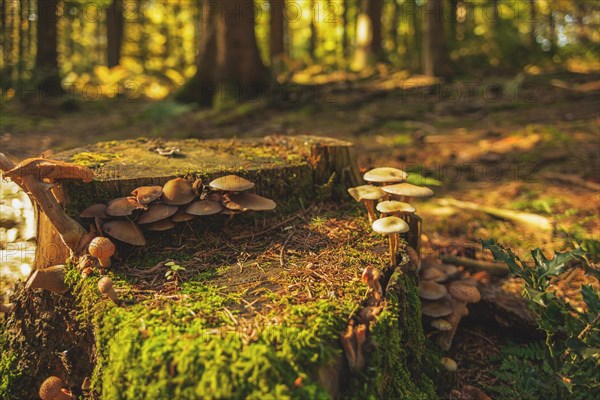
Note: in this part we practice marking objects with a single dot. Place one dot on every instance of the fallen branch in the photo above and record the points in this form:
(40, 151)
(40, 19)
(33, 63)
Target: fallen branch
(497, 269)
(572, 180)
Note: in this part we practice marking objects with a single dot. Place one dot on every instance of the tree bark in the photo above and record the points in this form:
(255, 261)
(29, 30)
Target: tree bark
(345, 25)
(114, 32)
(312, 43)
(276, 40)
(46, 59)
(374, 12)
(532, 21)
(436, 60)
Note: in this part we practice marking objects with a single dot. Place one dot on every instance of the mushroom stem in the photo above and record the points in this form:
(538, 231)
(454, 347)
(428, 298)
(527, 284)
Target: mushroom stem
(392, 252)
(348, 341)
(369, 204)
(51, 278)
(112, 295)
(361, 338)
(104, 262)
(460, 310)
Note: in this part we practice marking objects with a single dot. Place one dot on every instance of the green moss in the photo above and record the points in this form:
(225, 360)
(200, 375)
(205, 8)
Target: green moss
(8, 371)
(93, 159)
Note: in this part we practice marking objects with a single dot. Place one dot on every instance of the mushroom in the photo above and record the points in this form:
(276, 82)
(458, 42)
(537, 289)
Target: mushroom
(385, 175)
(370, 277)
(123, 206)
(231, 183)
(369, 313)
(125, 231)
(178, 192)
(433, 274)
(396, 208)
(464, 292)
(95, 211)
(103, 249)
(182, 216)
(204, 207)
(391, 226)
(249, 202)
(367, 194)
(449, 364)
(441, 324)
(105, 286)
(348, 340)
(147, 194)
(437, 308)
(156, 212)
(407, 190)
(51, 278)
(7, 308)
(52, 389)
(160, 226)
(431, 290)
(361, 338)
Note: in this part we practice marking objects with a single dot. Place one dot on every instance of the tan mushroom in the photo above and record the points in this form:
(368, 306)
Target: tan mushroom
(441, 324)
(431, 290)
(105, 286)
(449, 364)
(348, 340)
(156, 212)
(125, 231)
(385, 175)
(147, 194)
(52, 389)
(178, 192)
(123, 206)
(204, 207)
(249, 202)
(407, 190)
(433, 274)
(182, 216)
(391, 226)
(370, 277)
(51, 278)
(231, 183)
(459, 310)
(160, 226)
(367, 194)
(103, 249)
(95, 211)
(396, 208)
(361, 338)
(465, 292)
(437, 308)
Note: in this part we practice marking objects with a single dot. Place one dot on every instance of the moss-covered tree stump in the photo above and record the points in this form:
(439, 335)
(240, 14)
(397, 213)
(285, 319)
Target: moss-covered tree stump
(257, 309)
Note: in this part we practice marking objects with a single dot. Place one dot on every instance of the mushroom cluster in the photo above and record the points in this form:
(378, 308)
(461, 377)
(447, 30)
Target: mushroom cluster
(444, 297)
(156, 208)
(388, 193)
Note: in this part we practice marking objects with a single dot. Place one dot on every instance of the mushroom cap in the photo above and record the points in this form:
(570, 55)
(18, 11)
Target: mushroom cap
(105, 284)
(156, 212)
(95, 211)
(101, 247)
(370, 273)
(437, 308)
(393, 206)
(123, 206)
(385, 175)
(178, 192)
(250, 202)
(390, 225)
(448, 269)
(407, 189)
(431, 290)
(182, 216)
(125, 231)
(204, 207)
(51, 388)
(464, 292)
(366, 192)
(147, 194)
(231, 183)
(433, 274)
(449, 364)
(159, 226)
(441, 324)
(45, 168)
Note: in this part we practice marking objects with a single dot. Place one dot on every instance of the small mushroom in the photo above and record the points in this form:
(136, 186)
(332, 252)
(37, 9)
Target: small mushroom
(394, 207)
(231, 183)
(348, 340)
(105, 286)
(385, 175)
(250, 202)
(103, 249)
(370, 277)
(431, 290)
(182, 216)
(52, 389)
(160, 226)
(204, 207)
(391, 226)
(123, 206)
(51, 278)
(437, 308)
(7, 308)
(407, 190)
(369, 313)
(459, 310)
(95, 211)
(433, 274)
(178, 192)
(449, 364)
(367, 194)
(465, 292)
(441, 324)
(361, 338)
(125, 231)
(147, 194)
(156, 212)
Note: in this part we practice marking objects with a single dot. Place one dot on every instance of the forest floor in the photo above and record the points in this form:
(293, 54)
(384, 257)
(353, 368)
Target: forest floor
(527, 144)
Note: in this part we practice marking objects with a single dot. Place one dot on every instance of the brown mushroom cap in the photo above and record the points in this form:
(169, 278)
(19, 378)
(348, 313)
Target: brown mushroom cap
(449, 364)
(437, 308)
(51, 388)
(393, 206)
(156, 212)
(123, 206)
(385, 175)
(125, 231)
(448, 269)
(390, 225)
(204, 207)
(105, 284)
(159, 226)
(250, 202)
(147, 194)
(431, 290)
(178, 192)
(101, 247)
(231, 183)
(366, 192)
(464, 292)
(182, 216)
(441, 324)
(95, 211)
(407, 189)
(369, 274)
(433, 274)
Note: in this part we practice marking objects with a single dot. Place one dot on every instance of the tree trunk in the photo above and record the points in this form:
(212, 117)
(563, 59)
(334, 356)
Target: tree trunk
(532, 22)
(312, 43)
(114, 33)
(46, 59)
(394, 34)
(345, 25)
(374, 12)
(417, 24)
(452, 18)
(276, 40)
(22, 19)
(436, 61)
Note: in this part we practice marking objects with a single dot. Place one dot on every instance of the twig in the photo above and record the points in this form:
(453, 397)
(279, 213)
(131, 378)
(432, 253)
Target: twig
(497, 269)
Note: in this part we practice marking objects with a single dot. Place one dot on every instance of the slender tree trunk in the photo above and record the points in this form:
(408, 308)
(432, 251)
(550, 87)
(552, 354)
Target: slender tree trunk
(395, 24)
(46, 58)
(452, 18)
(580, 12)
(436, 61)
(417, 24)
(374, 12)
(552, 30)
(143, 40)
(532, 21)
(312, 44)
(114, 33)
(345, 25)
(277, 34)
(22, 22)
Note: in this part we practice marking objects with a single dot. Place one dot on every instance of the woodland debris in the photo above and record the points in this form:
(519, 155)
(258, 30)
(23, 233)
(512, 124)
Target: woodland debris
(497, 269)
